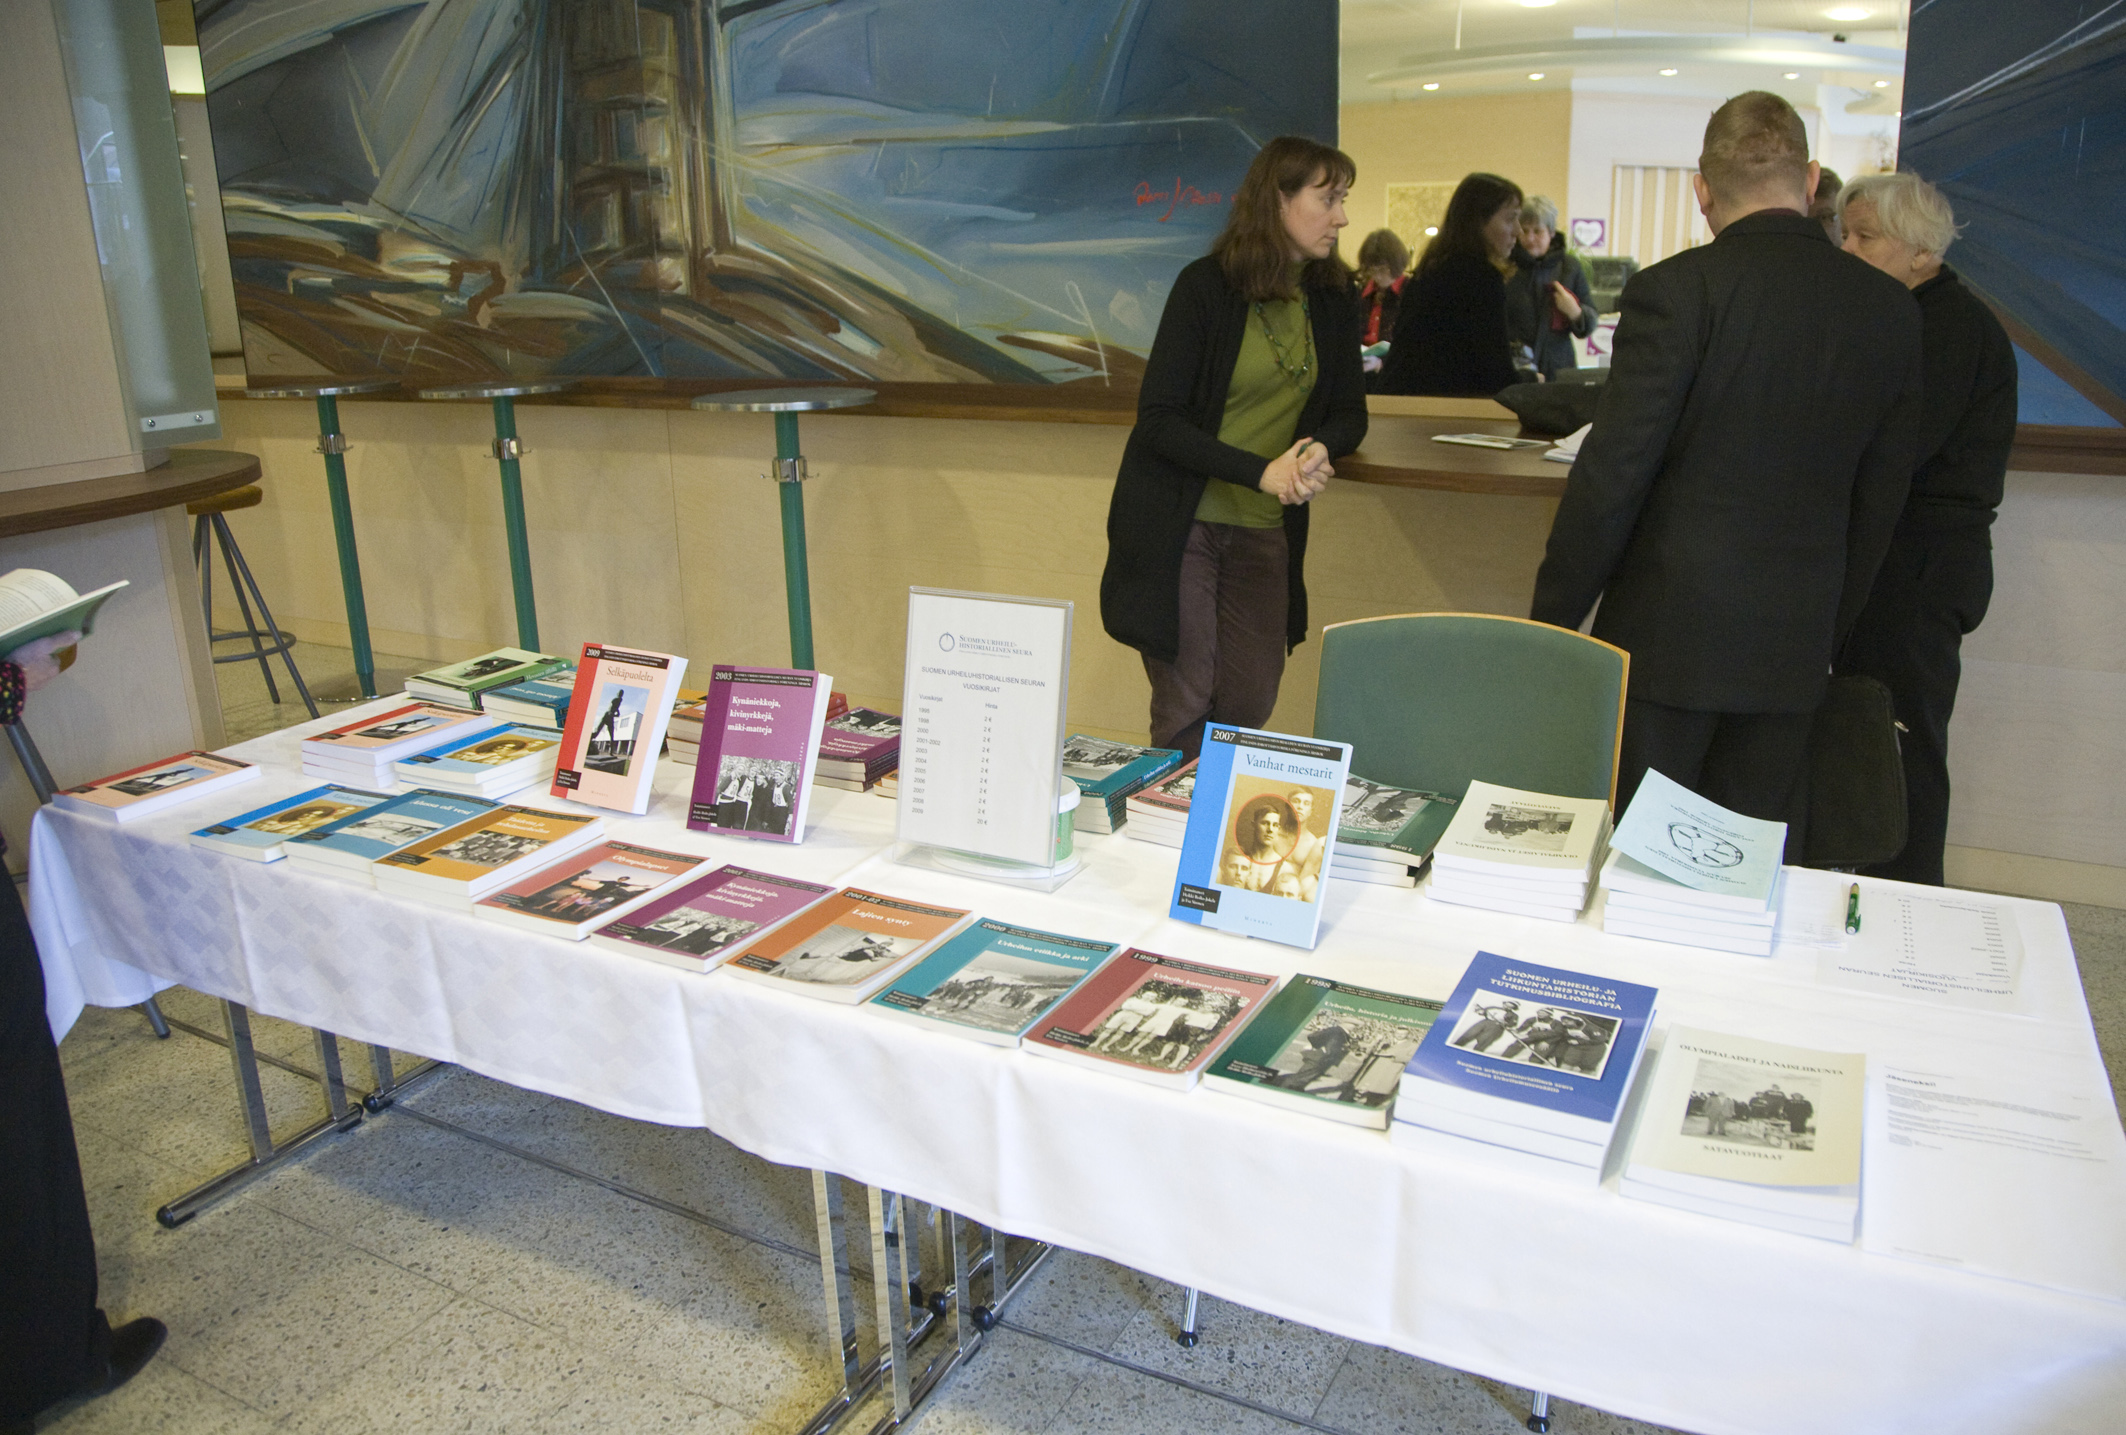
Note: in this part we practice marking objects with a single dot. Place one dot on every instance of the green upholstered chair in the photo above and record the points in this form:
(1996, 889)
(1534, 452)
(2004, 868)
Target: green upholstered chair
(1433, 700)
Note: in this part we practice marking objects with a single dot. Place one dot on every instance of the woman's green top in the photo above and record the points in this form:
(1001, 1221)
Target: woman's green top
(1262, 408)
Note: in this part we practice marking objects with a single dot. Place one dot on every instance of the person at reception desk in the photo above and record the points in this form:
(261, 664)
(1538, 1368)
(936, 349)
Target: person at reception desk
(1548, 301)
(1383, 262)
(1253, 387)
(1747, 464)
(55, 1343)
(1938, 577)
(1450, 337)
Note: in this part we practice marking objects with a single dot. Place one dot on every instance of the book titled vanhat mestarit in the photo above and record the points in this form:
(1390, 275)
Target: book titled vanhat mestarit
(1261, 833)
(362, 752)
(587, 888)
(695, 925)
(459, 865)
(1107, 772)
(348, 848)
(262, 834)
(760, 733)
(493, 763)
(155, 787)
(1327, 1048)
(465, 684)
(1151, 1018)
(616, 719)
(1753, 1131)
(992, 982)
(845, 947)
(1685, 869)
(1529, 853)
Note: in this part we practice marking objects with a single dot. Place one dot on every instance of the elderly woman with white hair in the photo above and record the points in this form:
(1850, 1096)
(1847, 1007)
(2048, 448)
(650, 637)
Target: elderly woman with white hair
(1938, 577)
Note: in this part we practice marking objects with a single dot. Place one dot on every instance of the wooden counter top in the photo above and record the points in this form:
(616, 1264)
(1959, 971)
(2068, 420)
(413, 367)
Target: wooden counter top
(191, 473)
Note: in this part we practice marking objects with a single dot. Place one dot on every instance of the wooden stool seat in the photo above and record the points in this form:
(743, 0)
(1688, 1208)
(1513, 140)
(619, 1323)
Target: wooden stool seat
(249, 496)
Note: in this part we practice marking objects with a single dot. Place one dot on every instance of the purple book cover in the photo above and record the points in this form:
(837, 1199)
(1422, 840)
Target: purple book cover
(713, 913)
(861, 735)
(760, 732)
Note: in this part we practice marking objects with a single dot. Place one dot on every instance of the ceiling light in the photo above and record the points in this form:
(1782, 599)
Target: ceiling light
(1668, 72)
(1791, 75)
(1882, 84)
(1432, 85)
(1848, 13)
(1537, 75)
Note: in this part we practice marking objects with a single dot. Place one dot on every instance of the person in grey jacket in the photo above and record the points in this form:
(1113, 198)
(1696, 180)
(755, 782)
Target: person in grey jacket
(1548, 300)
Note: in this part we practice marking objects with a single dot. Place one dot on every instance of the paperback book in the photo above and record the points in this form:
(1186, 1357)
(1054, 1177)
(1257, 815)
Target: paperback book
(697, 924)
(760, 735)
(1159, 813)
(1687, 849)
(154, 787)
(1150, 1017)
(35, 604)
(365, 751)
(261, 835)
(491, 763)
(570, 897)
(541, 702)
(1328, 1049)
(1390, 825)
(1529, 853)
(459, 865)
(348, 847)
(1261, 834)
(682, 736)
(858, 748)
(992, 982)
(616, 720)
(1107, 773)
(845, 947)
(464, 684)
(1754, 1131)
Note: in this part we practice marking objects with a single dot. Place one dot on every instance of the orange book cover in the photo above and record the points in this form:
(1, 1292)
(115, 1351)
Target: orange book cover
(473, 849)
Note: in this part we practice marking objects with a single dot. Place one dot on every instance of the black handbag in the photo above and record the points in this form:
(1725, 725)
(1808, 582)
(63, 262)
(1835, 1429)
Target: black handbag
(1856, 778)
(1557, 409)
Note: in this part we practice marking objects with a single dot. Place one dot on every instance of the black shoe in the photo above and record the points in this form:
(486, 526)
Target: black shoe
(133, 1345)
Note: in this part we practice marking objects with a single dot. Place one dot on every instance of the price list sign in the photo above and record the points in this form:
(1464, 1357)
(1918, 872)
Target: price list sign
(982, 719)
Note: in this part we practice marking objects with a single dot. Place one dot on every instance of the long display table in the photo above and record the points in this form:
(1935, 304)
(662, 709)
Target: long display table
(1654, 1313)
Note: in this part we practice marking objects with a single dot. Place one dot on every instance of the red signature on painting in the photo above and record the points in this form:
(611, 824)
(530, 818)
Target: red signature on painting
(1174, 198)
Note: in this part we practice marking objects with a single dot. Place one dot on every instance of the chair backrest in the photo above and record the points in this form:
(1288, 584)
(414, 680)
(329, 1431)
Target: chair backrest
(1433, 700)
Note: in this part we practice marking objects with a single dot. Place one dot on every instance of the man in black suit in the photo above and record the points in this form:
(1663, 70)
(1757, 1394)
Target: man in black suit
(1746, 468)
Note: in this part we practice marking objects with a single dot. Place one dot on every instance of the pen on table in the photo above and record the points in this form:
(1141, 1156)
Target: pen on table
(1852, 909)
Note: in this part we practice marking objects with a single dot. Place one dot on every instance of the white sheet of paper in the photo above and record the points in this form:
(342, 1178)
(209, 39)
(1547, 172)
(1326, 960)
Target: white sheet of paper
(1956, 948)
(1937, 1186)
(1811, 910)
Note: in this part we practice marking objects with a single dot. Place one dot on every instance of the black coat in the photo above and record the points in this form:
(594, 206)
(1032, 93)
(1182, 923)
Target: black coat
(1530, 304)
(1174, 449)
(1450, 335)
(1751, 453)
(1970, 411)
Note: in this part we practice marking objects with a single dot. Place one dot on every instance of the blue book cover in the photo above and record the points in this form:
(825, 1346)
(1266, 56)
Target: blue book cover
(1675, 834)
(1562, 1041)
(1106, 771)
(994, 981)
(549, 693)
(362, 837)
(1261, 832)
(482, 754)
(260, 833)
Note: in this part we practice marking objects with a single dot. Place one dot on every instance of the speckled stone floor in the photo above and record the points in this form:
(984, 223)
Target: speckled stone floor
(487, 1259)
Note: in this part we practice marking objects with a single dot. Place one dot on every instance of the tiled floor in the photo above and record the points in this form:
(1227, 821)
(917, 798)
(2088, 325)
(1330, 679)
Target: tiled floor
(466, 1264)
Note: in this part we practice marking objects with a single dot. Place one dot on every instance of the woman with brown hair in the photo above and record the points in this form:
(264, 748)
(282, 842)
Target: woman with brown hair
(1252, 389)
(1450, 337)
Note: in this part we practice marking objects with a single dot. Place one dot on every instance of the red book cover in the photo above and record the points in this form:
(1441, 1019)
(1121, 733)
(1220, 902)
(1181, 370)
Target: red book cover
(1152, 1017)
(617, 716)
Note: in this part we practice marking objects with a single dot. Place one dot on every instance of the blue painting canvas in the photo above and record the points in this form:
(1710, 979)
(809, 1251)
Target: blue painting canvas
(942, 191)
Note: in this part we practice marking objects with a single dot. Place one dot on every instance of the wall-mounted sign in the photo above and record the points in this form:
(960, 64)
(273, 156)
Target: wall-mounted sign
(1590, 233)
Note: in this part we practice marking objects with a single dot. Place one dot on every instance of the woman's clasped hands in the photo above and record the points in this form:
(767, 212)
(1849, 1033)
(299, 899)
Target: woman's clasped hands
(1299, 473)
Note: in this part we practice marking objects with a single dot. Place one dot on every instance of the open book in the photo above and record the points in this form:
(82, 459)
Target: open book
(35, 604)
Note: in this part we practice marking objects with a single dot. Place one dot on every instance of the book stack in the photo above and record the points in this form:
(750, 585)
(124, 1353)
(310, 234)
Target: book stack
(1150, 1017)
(859, 749)
(588, 888)
(155, 786)
(704, 919)
(261, 835)
(494, 763)
(1752, 1131)
(889, 786)
(1327, 1049)
(1107, 773)
(1529, 1061)
(1527, 853)
(845, 947)
(363, 753)
(1159, 813)
(992, 982)
(682, 737)
(459, 865)
(1385, 834)
(1689, 871)
(541, 702)
(465, 684)
(347, 848)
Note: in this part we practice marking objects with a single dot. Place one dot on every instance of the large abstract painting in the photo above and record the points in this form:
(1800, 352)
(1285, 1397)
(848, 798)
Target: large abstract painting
(2018, 111)
(946, 191)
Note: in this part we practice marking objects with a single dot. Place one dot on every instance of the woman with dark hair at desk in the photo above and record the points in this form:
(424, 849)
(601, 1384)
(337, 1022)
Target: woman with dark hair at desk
(55, 1344)
(1252, 388)
(1450, 338)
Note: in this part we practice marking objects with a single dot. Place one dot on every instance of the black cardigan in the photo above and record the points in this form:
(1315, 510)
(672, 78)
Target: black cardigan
(1450, 337)
(1174, 448)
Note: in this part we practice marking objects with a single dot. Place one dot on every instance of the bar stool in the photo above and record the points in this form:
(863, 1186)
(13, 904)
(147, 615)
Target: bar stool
(209, 530)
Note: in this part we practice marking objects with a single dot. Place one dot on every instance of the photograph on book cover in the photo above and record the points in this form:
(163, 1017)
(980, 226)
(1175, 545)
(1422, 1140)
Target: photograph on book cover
(1274, 833)
(390, 828)
(1165, 1022)
(475, 670)
(307, 818)
(1723, 1106)
(839, 956)
(497, 751)
(865, 722)
(1373, 809)
(1089, 759)
(931, 191)
(611, 745)
(1000, 992)
(487, 848)
(1528, 827)
(159, 780)
(1555, 1036)
(390, 732)
(755, 794)
(695, 932)
(1345, 1053)
(583, 895)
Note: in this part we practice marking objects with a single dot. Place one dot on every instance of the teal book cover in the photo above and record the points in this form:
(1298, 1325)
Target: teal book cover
(391, 826)
(1674, 833)
(994, 981)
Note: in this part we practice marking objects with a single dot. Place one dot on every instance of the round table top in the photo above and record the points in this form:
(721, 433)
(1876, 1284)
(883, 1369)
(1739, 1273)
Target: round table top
(190, 474)
(784, 401)
(324, 388)
(499, 389)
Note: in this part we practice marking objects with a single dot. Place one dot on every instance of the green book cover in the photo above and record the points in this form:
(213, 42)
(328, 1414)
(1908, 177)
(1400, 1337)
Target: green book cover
(1377, 818)
(1327, 1047)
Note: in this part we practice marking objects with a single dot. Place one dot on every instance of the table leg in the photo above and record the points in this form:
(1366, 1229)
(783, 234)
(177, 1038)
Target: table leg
(333, 445)
(507, 449)
(834, 1276)
(797, 578)
(390, 1087)
(889, 1285)
(1539, 1413)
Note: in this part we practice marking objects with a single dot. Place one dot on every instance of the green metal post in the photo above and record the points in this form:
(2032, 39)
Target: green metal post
(797, 580)
(332, 444)
(520, 577)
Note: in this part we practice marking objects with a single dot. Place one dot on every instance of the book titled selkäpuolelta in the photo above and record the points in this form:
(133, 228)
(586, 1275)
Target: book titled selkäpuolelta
(1261, 833)
(760, 730)
(616, 720)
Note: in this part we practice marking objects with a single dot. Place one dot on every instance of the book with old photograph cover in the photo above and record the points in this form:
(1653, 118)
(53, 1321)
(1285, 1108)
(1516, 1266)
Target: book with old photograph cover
(699, 923)
(349, 846)
(1107, 773)
(1261, 833)
(459, 865)
(992, 982)
(589, 887)
(1326, 1048)
(261, 835)
(540, 702)
(860, 746)
(1526, 835)
(154, 787)
(616, 720)
(363, 752)
(1159, 812)
(1398, 824)
(35, 604)
(491, 763)
(760, 734)
(845, 947)
(1155, 1019)
(464, 684)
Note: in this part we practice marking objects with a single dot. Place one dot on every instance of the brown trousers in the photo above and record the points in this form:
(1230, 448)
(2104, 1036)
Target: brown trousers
(1231, 654)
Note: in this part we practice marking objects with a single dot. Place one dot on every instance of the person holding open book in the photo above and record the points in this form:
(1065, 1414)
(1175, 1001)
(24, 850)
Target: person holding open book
(1253, 389)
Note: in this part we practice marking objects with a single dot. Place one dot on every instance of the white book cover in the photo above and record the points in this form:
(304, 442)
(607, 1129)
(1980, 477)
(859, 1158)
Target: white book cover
(1628, 896)
(1505, 828)
(35, 604)
(1741, 941)
(1681, 844)
(1838, 1226)
(617, 715)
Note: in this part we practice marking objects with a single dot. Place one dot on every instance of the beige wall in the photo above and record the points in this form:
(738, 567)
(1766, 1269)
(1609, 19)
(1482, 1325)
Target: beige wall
(1527, 138)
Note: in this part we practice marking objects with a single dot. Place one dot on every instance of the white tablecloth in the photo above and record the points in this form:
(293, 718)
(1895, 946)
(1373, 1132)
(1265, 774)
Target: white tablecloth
(1634, 1308)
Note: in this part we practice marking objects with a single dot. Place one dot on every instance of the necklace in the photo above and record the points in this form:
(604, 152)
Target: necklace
(1306, 359)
